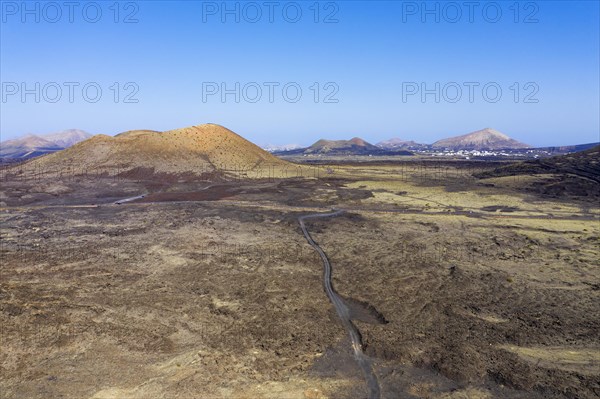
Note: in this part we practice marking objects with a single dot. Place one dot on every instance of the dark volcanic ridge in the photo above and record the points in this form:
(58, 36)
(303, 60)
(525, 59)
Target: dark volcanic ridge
(571, 175)
(585, 164)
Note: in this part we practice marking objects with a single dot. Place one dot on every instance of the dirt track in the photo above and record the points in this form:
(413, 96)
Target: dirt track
(343, 311)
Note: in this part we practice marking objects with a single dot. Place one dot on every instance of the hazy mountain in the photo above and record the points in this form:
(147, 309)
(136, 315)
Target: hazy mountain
(32, 145)
(67, 138)
(397, 144)
(486, 139)
(283, 147)
(27, 147)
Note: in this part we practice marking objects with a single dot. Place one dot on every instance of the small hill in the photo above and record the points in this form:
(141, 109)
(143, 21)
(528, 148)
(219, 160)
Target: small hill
(355, 146)
(197, 149)
(67, 138)
(27, 147)
(486, 139)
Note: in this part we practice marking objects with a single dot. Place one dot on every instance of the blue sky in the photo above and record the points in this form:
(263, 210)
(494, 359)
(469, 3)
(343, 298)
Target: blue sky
(361, 67)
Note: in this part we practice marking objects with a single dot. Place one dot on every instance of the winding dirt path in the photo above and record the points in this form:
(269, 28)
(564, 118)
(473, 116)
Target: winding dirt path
(341, 308)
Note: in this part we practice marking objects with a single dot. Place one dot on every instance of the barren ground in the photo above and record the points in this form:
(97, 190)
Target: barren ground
(489, 289)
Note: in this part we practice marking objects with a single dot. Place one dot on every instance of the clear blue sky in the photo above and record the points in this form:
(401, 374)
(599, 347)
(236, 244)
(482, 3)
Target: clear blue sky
(375, 56)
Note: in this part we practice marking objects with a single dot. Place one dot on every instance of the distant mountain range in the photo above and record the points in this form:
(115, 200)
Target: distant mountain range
(480, 140)
(32, 146)
(485, 140)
